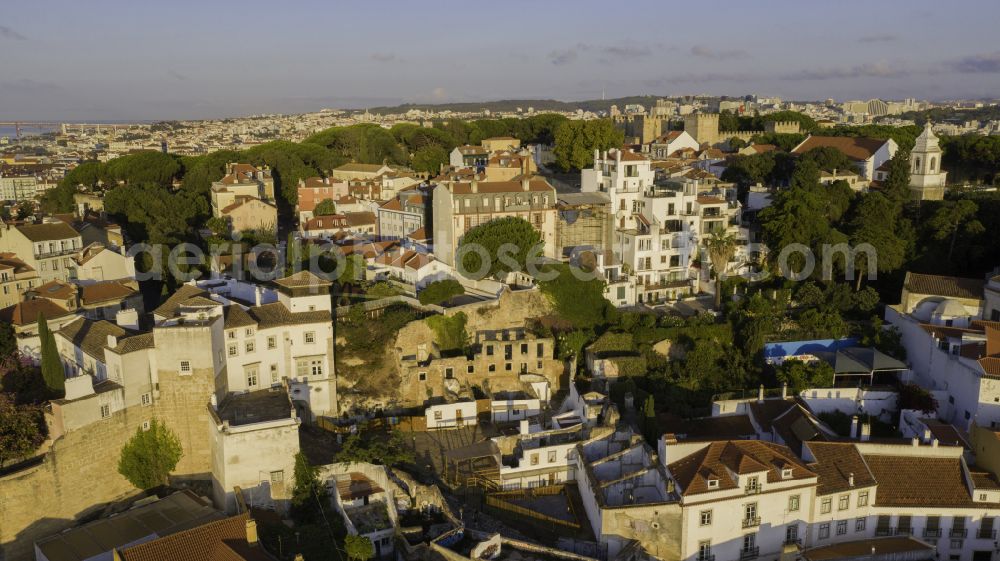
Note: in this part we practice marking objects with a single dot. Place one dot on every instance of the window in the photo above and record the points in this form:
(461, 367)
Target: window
(277, 477)
(843, 502)
(824, 531)
(438, 415)
(863, 498)
(793, 503)
(251, 373)
(422, 376)
(272, 343)
(859, 525)
(841, 527)
(540, 349)
(539, 366)
(310, 337)
(706, 518)
(713, 483)
(786, 473)
(471, 369)
(524, 348)
(792, 534)
(231, 334)
(274, 373)
(508, 367)
(250, 346)
(489, 350)
(449, 373)
(492, 368)
(145, 425)
(185, 367)
(534, 459)
(748, 542)
(750, 515)
(826, 506)
(248, 332)
(753, 484)
(704, 550)
(956, 544)
(146, 399)
(105, 411)
(309, 367)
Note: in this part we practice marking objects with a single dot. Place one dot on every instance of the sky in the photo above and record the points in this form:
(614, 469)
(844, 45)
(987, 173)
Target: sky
(186, 59)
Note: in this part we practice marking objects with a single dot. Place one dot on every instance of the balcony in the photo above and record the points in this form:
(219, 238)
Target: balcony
(932, 532)
(749, 553)
(751, 490)
(751, 522)
(958, 533)
(986, 534)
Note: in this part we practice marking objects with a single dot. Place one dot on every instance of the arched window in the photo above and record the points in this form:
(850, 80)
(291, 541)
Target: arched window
(933, 162)
(916, 165)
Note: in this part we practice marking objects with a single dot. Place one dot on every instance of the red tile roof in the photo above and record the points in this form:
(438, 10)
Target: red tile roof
(223, 540)
(718, 460)
(854, 147)
(26, 313)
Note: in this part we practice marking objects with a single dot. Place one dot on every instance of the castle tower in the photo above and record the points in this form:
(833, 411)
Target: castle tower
(704, 127)
(927, 181)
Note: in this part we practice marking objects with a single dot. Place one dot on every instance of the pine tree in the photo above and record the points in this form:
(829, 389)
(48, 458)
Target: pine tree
(52, 369)
(150, 455)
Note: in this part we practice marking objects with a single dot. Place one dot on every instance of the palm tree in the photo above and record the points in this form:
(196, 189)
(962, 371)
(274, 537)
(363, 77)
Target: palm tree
(721, 248)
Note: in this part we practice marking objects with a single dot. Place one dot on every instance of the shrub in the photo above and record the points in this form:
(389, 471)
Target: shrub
(440, 291)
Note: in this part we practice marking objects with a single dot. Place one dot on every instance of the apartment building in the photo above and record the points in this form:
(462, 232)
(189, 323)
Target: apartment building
(241, 181)
(460, 206)
(402, 215)
(16, 278)
(313, 190)
(46, 247)
(18, 187)
(757, 500)
(659, 227)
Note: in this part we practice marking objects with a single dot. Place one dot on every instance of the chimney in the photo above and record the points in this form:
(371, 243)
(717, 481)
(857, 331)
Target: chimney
(525, 183)
(112, 341)
(914, 442)
(251, 532)
(597, 156)
(784, 390)
(854, 427)
(524, 427)
(866, 432)
(927, 435)
(934, 443)
(257, 294)
(474, 185)
(215, 402)
(850, 479)
(127, 319)
(760, 393)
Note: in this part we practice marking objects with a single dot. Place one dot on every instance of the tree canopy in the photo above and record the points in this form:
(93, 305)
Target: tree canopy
(516, 236)
(150, 455)
(575, 142)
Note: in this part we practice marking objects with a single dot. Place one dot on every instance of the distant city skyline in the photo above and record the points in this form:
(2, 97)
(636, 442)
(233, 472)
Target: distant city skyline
(111, 59)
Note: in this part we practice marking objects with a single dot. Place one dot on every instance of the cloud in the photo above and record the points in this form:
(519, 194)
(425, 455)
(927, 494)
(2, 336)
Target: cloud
(625, 52)
(708, 52)
(564, 56)
(868, 70)
(176, 75)
(384, 57)
(878, 38)
(697, 78)
(27, 86)
(8, 33)
(986, 63)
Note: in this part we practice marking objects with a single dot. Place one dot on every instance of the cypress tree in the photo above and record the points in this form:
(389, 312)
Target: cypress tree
(52, 369)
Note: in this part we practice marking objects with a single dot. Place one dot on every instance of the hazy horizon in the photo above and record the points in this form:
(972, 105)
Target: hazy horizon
(116, 60)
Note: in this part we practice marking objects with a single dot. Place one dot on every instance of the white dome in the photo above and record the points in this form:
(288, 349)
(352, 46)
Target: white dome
(950, 308)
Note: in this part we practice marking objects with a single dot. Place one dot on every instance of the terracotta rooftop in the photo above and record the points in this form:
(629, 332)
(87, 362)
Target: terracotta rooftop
(718, 460)
(937, 285)
(106, 291)
(534, 184)
(26, 313)
(835, 463)
(223, 540)
(854, 147)
(48, 232)
(917, 481)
